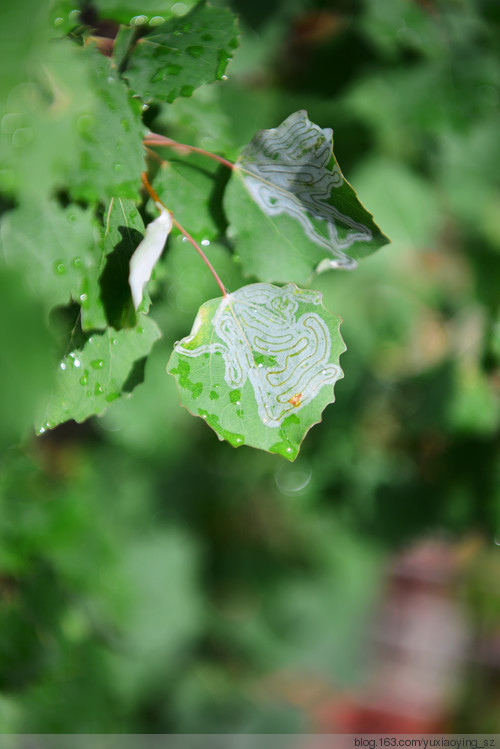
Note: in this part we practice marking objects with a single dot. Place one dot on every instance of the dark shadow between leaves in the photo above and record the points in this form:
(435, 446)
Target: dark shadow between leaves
(115, 290)
(135, 376)
(221, 178)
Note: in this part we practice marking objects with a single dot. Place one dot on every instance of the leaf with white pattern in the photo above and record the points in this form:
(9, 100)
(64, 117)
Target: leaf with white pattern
(260, 365)
(290, 209)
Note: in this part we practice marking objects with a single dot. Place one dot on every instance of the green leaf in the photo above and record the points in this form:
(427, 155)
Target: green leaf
(186, 187)
(53, 246)
(290, 208)
(39, 134)
(259, 365)
(111, 152)
(123, 232)
(182, 54)
(139, 11)
(27, 362)
(91, 377)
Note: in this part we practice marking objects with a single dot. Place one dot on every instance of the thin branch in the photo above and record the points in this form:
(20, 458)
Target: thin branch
(154, 195)
(154, 139)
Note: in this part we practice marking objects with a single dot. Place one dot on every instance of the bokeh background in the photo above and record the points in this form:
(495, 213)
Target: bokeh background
(154, 580)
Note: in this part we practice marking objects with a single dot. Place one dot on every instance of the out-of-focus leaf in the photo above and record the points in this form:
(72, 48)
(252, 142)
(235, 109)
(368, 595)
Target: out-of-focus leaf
(111, 155)
(39, 131)
(160, 607)
(260, 365)
(182, 54)
(140, 12)
(290, 208)
(22, 31)
(405, 203)
(90, 378)
(26, 373)
(53, 246)
(474, 407)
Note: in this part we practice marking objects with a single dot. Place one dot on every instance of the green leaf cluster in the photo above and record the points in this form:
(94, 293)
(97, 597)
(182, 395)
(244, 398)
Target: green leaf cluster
(72, 162)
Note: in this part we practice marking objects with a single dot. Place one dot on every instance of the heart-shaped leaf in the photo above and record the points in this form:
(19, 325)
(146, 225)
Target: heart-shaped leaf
(288, 187)
(182, 53)
(260, 365)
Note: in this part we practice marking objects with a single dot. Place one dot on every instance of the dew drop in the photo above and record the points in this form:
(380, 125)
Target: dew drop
(84, 124)
(140, 330)
(97, 364)
(59, 268)
(74, 16)
(138, 20)
(114, 341)
(58, 21)
(179, 9)
(77, 262)
(83, 297)
(41, 430)
(62, 365)
(98, 389)
(156, 21)
(293, 478)
(223, 58)
(22, 137)
(117, 166)
(205, 242)
(89, 393)
(84, 379)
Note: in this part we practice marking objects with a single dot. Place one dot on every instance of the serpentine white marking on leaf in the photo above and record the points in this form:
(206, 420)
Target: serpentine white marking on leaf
(291, 169)
(260, 322)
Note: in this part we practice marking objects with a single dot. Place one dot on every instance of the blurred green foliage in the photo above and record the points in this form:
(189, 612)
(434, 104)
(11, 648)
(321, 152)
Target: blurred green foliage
(153, 579)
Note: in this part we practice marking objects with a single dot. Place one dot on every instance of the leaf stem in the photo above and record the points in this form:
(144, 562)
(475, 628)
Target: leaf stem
(154, 139)
(154, 195)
